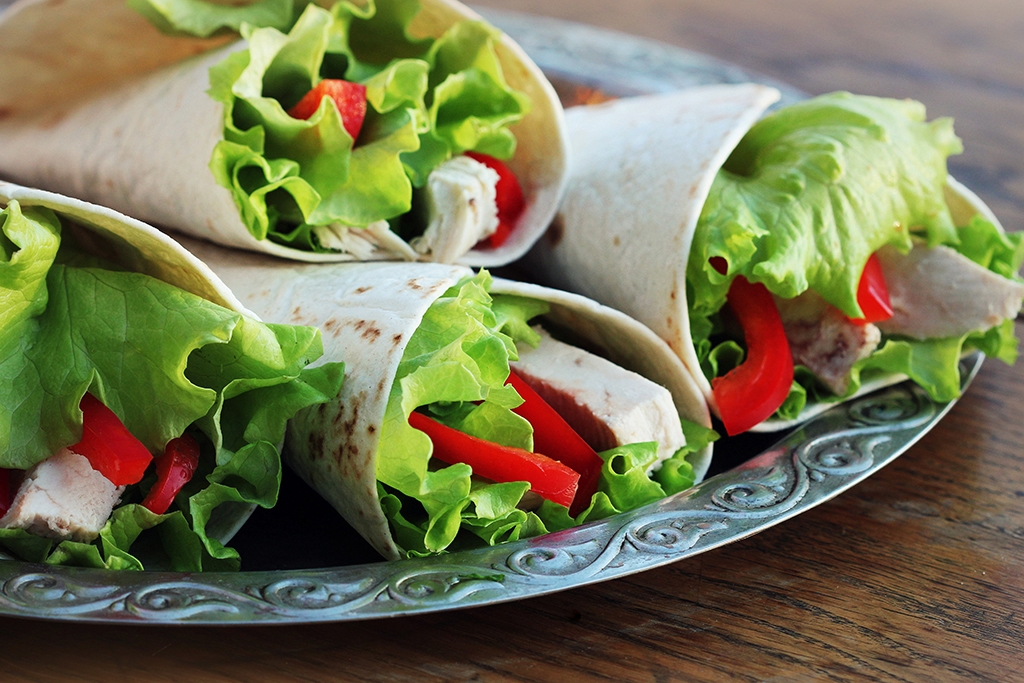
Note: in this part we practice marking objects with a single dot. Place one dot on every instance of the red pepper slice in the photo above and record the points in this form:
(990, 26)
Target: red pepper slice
(548, 478)
(750, 393)
(873, 294)
(508, 196)
(349, 98)
(6, 498)
(174, 469)
(109, 446)
(553, 436)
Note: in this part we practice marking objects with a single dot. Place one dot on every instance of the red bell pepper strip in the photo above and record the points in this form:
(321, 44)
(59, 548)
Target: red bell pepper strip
(349, 98)
(109, 446)
(5, 491)
(553, 437)
(508, 196)
(750, 393)
(174, 469)
(873, 294)
(548, 478)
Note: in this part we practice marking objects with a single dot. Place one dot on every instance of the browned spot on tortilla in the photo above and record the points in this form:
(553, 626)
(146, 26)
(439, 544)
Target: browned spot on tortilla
(414, 284)
(348, 427)
(297, 311)
(345, 455)
(362, 290)
(315, 444)
(371, 333)
(693, 190)
(359, 324)
(672, 294)
(380, 386)
(616, 241)
(670, 323)
(397, 339)
(330, 324)
(556, 231)
(371, 429)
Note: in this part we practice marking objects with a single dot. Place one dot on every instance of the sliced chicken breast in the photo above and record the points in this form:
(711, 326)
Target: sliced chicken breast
(607, 405)
(63, 498)
(824, 340)
(937, 292)
(462, 209)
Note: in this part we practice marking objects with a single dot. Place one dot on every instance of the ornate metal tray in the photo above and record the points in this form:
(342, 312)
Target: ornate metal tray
(758, 489)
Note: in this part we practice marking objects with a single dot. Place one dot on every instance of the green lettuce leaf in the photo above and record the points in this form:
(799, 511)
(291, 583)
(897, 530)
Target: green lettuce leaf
(807, 196)
(165, 361)
(428, 100)
(203, 19)
(455, 368)
(814, 189)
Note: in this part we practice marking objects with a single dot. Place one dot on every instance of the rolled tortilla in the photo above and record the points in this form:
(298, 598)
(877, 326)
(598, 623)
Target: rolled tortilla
(641, 172)
(139, 248)
(367, 313)
(123, 119)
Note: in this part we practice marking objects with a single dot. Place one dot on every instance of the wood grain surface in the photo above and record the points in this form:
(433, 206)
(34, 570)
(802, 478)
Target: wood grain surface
(916, 574)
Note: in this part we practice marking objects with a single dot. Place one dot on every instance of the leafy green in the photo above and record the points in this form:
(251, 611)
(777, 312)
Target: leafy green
(203, 19)
(807, 196)
(455, 368)
(428, 100)
(165, 361)
(814, 189)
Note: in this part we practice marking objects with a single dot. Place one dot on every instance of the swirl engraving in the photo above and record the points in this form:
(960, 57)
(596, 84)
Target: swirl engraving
(809, 466)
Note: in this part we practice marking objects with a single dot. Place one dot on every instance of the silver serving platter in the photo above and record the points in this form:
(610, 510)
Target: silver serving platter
(809, 466)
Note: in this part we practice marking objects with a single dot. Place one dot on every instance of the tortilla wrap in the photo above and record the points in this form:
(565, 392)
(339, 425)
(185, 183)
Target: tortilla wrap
(123, 119)
(641, 171)
(367, 313)
(140, 248)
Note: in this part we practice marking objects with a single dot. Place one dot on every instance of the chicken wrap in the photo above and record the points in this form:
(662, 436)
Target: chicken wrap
(143, 407)
(349, 131)
(792, 260)
(434, 445)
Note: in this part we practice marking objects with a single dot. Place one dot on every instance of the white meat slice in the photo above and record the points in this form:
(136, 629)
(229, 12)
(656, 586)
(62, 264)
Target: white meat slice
(462, 209)
(63, 497)
(937, 292)
(375, 241)
(607, 405)
(824, 340)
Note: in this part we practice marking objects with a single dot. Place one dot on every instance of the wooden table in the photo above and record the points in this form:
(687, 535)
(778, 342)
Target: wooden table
(916, 574)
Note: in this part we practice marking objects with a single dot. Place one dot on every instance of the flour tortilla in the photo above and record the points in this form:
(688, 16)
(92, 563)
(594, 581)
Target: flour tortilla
(96, 103)
(367, 313)
(640, 174)
(142, 249)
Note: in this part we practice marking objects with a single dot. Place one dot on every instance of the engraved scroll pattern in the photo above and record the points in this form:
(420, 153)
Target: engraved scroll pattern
(797, 474)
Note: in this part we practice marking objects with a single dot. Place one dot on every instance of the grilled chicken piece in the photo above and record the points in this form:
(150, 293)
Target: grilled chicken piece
(61, 498)
(607, 405)
(824, 340)
(462, 208)
(937, 292)
(375, 241)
